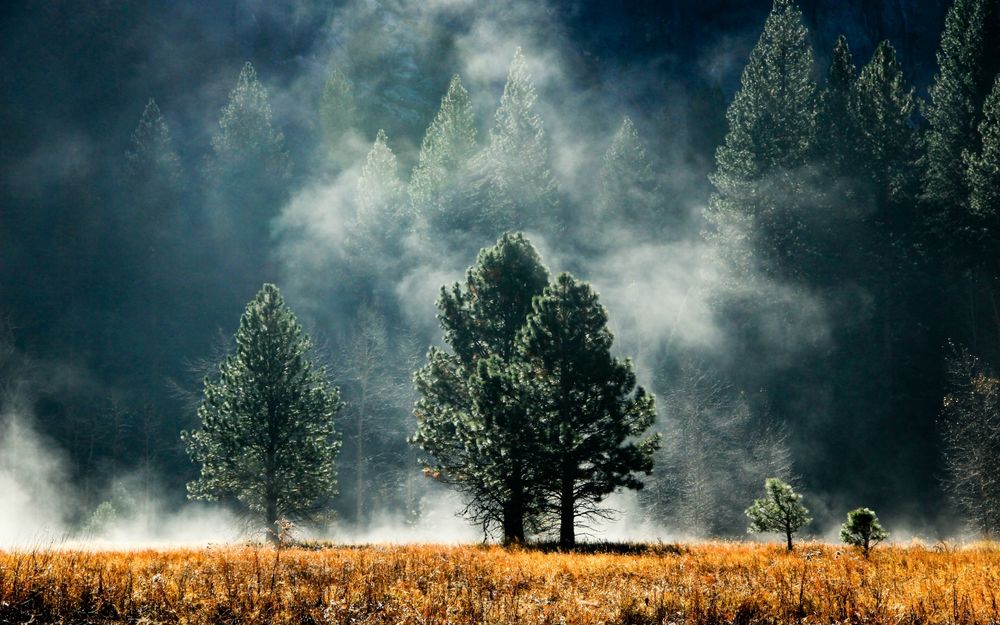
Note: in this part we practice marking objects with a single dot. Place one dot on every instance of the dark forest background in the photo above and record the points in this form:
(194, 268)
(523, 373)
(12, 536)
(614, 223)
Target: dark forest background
(116, 299)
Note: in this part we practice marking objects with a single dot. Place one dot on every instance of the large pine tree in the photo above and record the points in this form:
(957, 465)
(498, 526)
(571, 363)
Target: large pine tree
(445, 153)
(520, 188)
(153, 181)
(381, 221)
(247, 144)
(248, 182)
(888, 151)
(470, 420)
(760, 210)
(586, 402)
(835, 132)
(983, 173)
(151, 160)
(983, 222)
(338, 113)
(629, 188)
(380, 191)
(883, 114)
(266, 438)
(967, 62)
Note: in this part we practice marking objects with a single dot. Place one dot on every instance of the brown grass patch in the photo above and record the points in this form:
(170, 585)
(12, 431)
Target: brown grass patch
(709, 583)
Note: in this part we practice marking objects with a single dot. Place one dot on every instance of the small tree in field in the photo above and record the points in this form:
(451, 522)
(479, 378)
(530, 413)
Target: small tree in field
(266, 436)
(780, 510)
(862, 529)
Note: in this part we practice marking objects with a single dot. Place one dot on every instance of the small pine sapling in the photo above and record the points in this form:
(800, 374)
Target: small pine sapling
(862, 529)
(780, 510)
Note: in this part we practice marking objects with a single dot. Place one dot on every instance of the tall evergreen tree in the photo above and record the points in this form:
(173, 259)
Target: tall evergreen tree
(883, 110)
(888, 150)
(759, 209)
(382, 219)
(983, 173)
(266, 437)
(380, 191)
(470, 420)
(152, 181)
(445, 153)
(586, 401)
(338, 113)
(629, 188)
(520, 187)
(836, 135)
(151, 159)
(248, 181)
(967, 62)
(147, 263)
(247, 144)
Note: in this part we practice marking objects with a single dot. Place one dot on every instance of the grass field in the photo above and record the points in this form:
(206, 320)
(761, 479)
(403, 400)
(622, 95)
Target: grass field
(706, 583)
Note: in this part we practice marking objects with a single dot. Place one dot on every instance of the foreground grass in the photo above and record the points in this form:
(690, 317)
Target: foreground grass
(710, 583)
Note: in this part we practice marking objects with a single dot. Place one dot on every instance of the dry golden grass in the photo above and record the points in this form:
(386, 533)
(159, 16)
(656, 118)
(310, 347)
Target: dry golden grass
(710, 583)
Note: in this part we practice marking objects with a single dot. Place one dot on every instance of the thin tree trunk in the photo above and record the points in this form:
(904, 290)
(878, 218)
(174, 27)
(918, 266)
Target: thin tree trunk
(513, 510)
(567, 531)
(788, 536)
(271, 519)
(359, 468)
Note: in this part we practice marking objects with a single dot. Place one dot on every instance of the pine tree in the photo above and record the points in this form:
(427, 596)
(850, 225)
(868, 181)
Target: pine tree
(380, 191)
(759, 211)
(470, 419)
(586, 401)
(967, 64)
(983, 174)
(888, 150)
(266, 437)
(835, 141)
(445, 153)
(247, 144)
(520, 187)
(152, 184)
(882, 112)
(780, 510)
(862, 529)
(338, 112)
(248, 182)
(151, 160)
(629, 189)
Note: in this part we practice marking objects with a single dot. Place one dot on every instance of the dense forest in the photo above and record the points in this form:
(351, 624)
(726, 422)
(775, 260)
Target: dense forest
(789, 210)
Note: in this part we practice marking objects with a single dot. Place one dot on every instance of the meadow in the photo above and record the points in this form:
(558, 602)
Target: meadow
(701, 583)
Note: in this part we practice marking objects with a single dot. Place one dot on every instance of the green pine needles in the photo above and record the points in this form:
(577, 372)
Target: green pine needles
(863, 530)
(779, 510)
(529, 416)
(266, 438)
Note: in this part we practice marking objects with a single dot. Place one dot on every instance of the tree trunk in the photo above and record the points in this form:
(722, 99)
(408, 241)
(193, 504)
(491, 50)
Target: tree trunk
(788, 536)
(271, 519)
(513, 522)
(513, 510)
(567, 533)
(359, 467)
